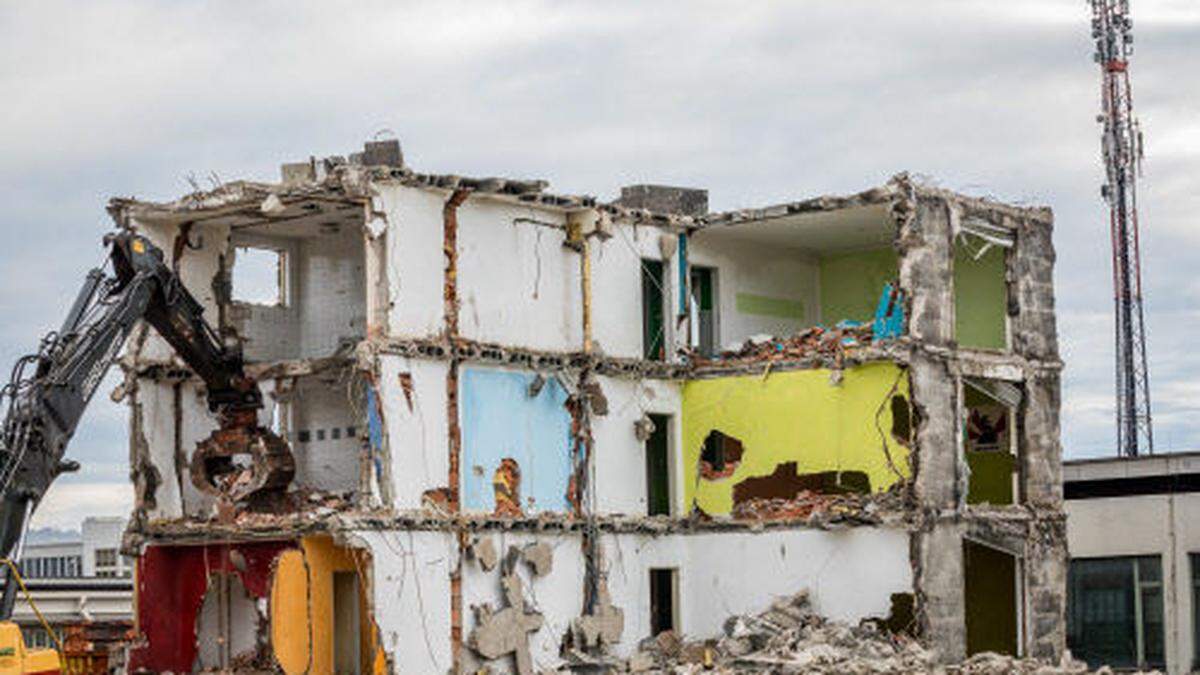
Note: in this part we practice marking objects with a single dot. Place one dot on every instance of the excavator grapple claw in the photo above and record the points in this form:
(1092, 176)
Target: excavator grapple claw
(240, 461)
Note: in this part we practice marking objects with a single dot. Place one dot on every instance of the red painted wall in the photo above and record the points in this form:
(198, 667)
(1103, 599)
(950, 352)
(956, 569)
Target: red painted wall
(171, 582)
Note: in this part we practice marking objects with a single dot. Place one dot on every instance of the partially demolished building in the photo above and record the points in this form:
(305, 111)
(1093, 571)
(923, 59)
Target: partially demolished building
(530, 430)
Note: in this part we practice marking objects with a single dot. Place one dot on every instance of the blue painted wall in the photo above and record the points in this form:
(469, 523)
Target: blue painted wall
(500, 420)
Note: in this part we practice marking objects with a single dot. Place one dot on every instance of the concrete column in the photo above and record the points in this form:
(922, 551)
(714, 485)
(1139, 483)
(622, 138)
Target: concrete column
(935, 395)
(1041, 449)
(1046, 587)
(1035, 330)
(942, 605)
(926, 273)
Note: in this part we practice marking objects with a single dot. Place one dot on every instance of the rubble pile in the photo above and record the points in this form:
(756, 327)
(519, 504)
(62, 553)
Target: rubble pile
(814, 341)
(815, 508)
(301, 504)
(822, 509)
(790, 638)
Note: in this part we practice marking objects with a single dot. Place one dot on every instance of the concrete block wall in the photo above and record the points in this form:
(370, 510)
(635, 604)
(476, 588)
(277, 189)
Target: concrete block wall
(326, 307)
(325, 433)
(331, 291)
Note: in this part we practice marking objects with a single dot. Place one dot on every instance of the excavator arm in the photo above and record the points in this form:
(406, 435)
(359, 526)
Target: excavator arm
(50, 389)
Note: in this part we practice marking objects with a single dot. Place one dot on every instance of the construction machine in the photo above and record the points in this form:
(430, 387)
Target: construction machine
(51, 388)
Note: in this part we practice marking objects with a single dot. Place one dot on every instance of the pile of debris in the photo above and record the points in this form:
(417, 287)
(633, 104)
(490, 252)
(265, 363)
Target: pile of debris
(301, 504)
(790, 638)
(821, 509)
(814, 341)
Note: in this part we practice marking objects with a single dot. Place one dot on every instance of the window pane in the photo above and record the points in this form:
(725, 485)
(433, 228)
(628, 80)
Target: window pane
(1152, 625)
(1101, 624)
(1150, 568)
(1194, 558)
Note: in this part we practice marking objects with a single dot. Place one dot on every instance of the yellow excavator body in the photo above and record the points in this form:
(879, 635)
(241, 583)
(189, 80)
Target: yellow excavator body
(16, 659)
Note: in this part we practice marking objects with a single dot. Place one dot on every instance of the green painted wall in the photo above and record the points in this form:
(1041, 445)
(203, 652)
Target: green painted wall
(991, 477)
(851, 283)
(795, 416)
(980, 298)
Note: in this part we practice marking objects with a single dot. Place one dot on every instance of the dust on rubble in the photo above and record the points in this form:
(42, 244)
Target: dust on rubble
(790, 638)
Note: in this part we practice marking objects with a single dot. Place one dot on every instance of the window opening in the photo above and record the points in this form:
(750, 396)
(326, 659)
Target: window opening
(653, 324)
(260, 276)
(990, 440)
(658, 468)
(662, 601)
(704, 310)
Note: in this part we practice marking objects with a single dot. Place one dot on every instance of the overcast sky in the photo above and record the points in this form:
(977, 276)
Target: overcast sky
(759, 102)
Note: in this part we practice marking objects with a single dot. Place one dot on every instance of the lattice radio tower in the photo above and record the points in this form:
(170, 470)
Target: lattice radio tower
(1122, 148)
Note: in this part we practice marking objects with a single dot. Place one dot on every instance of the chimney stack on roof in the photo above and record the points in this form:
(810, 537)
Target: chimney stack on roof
(678, 201)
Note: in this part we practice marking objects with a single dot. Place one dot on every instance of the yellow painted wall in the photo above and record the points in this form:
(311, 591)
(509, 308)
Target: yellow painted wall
(793, 416)
(302, 606)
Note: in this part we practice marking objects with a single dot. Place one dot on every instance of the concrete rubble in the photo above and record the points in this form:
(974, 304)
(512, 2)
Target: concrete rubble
(791, 638)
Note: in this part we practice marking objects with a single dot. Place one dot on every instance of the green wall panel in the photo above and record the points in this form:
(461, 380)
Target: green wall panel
(980, 298)
(852, 282)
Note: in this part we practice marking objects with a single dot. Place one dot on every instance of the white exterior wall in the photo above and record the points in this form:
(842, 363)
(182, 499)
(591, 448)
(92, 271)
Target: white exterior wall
(410, 593)
(102, 533)
(517, 284)
(620, 458)
(417, 437)
(1162, 525)
(158, 431)
(617, 288)
(415, 260)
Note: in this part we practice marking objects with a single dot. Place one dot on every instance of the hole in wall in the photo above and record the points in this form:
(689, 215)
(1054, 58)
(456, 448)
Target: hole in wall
(506, 485)
(902, 425)
(720, 456)
(785, 483)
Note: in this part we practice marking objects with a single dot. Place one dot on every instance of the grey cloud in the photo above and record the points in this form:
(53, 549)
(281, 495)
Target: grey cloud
(774, 101)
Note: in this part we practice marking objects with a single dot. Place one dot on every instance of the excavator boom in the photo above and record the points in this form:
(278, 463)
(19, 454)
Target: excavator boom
(51, 388)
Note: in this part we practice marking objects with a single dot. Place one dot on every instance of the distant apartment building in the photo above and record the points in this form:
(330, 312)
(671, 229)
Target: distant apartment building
(1133, 529)
(83, 587)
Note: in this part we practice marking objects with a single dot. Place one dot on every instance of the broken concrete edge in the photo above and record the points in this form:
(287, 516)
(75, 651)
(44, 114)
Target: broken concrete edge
(349, 185)
(980, 363)
(189, 530)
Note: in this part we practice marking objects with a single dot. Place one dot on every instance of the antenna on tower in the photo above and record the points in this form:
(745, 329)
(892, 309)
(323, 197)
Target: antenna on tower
(1122, 150)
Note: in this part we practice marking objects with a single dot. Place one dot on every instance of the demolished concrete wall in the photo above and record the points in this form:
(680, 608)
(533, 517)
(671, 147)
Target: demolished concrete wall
(477, 417)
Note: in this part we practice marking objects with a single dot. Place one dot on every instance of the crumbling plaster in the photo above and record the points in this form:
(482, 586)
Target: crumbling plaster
(852, 575)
